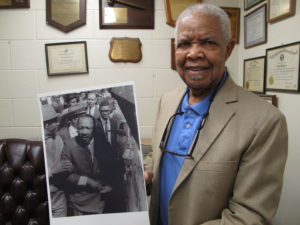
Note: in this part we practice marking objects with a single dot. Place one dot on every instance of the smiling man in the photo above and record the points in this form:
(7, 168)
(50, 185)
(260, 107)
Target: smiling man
(219, 151)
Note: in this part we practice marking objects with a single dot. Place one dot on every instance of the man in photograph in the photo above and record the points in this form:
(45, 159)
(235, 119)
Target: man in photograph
(57, 169)
(85, 187)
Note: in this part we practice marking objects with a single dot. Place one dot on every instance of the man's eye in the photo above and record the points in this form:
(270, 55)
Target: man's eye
(210, 43)
(183, 44)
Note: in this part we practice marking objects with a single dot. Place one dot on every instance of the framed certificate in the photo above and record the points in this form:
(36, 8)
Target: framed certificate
(255, 27)
(66, 58)
(254, 74)
(251, 3)
(282, 72)
(175, 7)
(10, 4)
(272, 99)
(280, 9)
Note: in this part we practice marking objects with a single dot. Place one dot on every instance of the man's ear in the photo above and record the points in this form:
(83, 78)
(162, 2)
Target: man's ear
(229, 48)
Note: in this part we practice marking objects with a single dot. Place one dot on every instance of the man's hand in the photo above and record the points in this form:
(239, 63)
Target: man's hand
(106, 189)
(63, 166)
(94, 184)
(148, 176)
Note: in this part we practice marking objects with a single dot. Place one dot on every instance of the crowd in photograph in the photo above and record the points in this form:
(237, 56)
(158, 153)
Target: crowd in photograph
(93, 159)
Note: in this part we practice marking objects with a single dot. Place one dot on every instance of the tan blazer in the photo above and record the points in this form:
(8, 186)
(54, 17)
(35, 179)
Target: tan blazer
(236, 174)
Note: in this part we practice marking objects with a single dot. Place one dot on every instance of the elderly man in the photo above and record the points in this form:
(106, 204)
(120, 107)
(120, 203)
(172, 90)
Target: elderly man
(57, 169)
(85, 187)
(219, 152)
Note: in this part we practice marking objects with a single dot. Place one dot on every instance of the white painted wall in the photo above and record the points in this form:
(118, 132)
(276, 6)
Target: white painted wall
(280, 33)
(23, 34)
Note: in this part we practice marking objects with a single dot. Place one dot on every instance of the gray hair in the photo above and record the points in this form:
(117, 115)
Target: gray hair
(208, 9)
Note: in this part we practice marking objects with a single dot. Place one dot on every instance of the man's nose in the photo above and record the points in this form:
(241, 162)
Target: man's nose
(196, 51)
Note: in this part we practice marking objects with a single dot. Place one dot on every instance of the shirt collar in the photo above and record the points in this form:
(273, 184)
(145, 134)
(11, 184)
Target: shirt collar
(202, 106)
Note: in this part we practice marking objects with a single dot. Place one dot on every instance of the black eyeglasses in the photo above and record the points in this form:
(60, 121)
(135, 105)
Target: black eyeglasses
(166, 134)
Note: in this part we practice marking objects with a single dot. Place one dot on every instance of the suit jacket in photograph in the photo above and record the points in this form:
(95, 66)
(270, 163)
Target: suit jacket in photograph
(236, 174)
(84, 198)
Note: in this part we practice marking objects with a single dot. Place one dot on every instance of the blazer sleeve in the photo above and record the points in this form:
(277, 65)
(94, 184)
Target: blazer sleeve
(258, 184)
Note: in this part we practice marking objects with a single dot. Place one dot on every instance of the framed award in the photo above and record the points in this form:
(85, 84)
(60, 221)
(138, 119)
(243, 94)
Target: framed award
(280, 9)
(254, 74)
(10, 4)
(282, 73)
(175, 7)
(251, 3)
(255, 27)
(66, 58)
(126, 14)
(66, 15)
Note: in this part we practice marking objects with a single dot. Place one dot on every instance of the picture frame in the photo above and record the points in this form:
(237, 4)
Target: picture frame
(133, 14)
(173, 64)
(248, 4)
(66, 58)
(272, 99)
(255, 27)
(254, 74)
(282, 70)
(175, 7)
(234, 16)
(12, 4)
(280, 9)
(65, 15)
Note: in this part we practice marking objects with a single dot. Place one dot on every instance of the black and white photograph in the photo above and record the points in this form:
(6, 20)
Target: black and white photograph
(93, 156)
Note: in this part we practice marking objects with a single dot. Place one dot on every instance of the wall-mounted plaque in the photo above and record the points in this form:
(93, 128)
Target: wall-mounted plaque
(173, 64)
(234, 16)
(175, 7)
(126, 14)
(280, 9)
(254, 74)
(283, 69)
(272, 99)
(10, 4)
(251, 3)
(125, 50)
(66, 15)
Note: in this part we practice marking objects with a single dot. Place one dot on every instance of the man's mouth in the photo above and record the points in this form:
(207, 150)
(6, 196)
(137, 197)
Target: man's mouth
(197, 68)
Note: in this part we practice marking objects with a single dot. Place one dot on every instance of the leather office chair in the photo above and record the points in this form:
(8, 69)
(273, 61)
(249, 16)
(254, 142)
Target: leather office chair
(23, 190)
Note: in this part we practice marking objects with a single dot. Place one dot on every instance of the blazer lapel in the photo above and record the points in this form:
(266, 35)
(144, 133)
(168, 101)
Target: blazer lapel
(220, 114)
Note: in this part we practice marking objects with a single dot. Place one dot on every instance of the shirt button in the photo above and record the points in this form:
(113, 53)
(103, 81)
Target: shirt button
(190, 111)
(187, 126)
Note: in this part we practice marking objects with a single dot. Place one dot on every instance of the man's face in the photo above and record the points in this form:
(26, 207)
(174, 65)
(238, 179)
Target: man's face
(91, 101)
(52, 126)
(201, 51)
(105, 111)
(73, 101)
(85, 129)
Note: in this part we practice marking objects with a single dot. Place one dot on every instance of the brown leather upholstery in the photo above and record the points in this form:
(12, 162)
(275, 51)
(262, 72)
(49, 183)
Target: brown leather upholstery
(23, 190)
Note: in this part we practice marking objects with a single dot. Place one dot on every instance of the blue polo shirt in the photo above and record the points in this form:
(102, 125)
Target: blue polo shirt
(180, 139)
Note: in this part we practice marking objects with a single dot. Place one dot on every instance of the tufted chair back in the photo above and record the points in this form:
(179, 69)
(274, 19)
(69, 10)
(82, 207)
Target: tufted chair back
(23, 190)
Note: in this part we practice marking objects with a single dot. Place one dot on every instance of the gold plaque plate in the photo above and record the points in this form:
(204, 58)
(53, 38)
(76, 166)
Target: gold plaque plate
(65, 12)
(125, 50)
(5, 2)
(66, 15)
